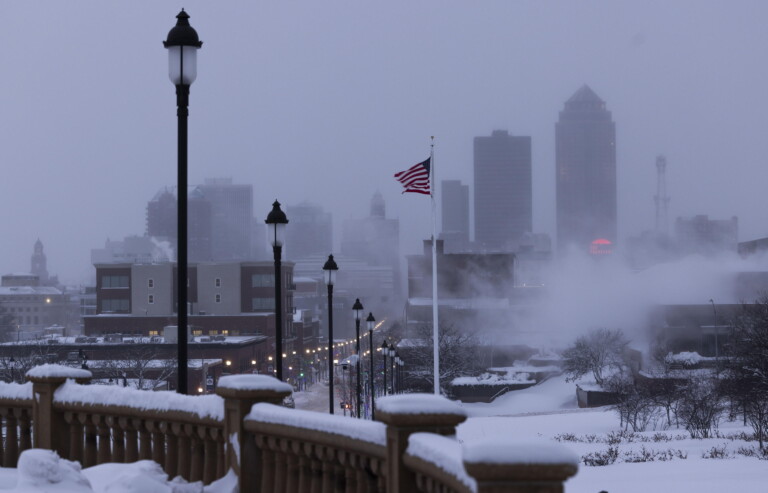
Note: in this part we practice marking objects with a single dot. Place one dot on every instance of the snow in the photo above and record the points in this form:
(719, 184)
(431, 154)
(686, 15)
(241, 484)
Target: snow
(551, 395)
(493, 379)
(41, 471)
(16, 390)
(442, 451)
(368, 431)
(52, 371)
(205, 406)
(418, 404)
(253, 382)
(505, 451)
(143, 476)
(685, 358)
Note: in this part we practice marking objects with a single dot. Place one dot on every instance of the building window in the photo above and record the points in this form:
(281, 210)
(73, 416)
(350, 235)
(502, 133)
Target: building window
(154, 332)
(213, 332)
(35, 319)
(150, 283)
(218, 298)
(197, 332)
(115, 305)
(114, 281)
(263, 303)
(151, 299)
(225, 332)
(262, 281)
(218, 282)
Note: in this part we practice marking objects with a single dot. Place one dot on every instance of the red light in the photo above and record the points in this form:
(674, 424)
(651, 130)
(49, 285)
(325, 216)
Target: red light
(601, 246)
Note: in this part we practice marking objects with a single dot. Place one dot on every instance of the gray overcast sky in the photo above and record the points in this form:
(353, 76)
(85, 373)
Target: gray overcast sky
(326, 100)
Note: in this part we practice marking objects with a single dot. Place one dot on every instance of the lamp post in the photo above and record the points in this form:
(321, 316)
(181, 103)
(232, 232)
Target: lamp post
(401, 374)
(385, 353)
(358, 309)
(182, 45)
(392, 368)
(276, 221)
(714, 326)
(329, 273)
(371, 323)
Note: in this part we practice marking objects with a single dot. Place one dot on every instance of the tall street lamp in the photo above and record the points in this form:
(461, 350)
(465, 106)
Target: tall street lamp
(397, 373)
(392, 368)
(329, 273)
(276, 221)
(182, 45)
(358, 309)
(385, 353)
(371, 322)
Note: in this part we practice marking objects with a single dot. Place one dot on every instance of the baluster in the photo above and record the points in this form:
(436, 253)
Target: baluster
(220, 454)
(2, 434)
(172, 450)
(145, 439)
(291, 467)
(339, 478)
(131, 447)
(11, 440)
(280, 464)
(267, 464)
(350, 474)
(158, 441)
(89, 454)
(196, 447)
(75, 437)
(328, 480)
(184, 455)
(25, 429)
(316, 485)
(362, 475)
(104, 444)
(118, 439)
(304, 452)
(208, 436)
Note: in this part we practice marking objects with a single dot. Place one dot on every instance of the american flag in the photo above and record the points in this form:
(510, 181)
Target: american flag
(416, 178)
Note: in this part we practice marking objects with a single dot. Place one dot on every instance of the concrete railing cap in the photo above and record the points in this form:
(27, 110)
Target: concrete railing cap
(252, 386)
(56, 373)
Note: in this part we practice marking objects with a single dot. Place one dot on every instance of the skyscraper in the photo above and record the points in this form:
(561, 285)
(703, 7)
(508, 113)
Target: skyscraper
(585, 139)
(455, 215)
(503, 190)
(231, 218)
(309, 233)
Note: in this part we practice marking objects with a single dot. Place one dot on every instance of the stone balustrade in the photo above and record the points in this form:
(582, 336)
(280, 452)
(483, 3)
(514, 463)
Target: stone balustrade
(271, 449)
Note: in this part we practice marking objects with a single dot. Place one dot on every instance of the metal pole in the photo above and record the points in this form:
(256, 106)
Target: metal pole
(370, 377)
(384, 353)
(182, 103)
(278, 251)
(330, 347)
(357, 349)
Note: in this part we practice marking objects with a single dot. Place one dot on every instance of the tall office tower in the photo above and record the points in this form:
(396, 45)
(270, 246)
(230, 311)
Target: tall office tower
(503, 190)
(199, 227)
(309, 233)
(585, 155)
(161, 216)
(231, 218)
(455, 212)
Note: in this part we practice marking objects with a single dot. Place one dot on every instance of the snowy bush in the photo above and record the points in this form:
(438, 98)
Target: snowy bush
(601, 458)
(601, 352)
(687, 359)
(701, 406)
(717, 453)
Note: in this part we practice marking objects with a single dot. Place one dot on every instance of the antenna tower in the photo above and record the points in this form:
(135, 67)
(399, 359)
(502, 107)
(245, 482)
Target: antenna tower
(661, 198)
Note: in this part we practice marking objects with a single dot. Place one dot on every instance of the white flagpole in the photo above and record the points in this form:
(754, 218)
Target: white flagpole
(435, 326)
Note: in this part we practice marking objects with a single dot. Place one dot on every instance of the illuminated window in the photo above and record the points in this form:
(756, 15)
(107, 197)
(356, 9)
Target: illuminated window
(213, 332)
(197, 332)
(154, 332)
(225, 332)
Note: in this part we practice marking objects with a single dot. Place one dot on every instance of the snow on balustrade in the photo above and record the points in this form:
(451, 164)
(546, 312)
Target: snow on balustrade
(368, 431)
(418, 404)
(52, 371)
(502, 451)
(16, 390)
(444, 452)
(253, 382)
(205, 406)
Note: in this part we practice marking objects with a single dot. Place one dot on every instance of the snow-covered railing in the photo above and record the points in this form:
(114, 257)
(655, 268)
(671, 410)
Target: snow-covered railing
(15, 421)
(271, 449)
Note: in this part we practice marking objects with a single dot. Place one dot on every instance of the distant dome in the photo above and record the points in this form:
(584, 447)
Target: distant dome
(378, 208)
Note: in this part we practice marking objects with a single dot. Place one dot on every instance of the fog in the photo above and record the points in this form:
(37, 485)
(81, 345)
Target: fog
(325, 101)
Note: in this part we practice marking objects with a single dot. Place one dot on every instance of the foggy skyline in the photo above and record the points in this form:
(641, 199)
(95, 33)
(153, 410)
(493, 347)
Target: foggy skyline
(325, 102)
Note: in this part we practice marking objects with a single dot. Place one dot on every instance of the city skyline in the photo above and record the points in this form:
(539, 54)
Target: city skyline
(283, 101)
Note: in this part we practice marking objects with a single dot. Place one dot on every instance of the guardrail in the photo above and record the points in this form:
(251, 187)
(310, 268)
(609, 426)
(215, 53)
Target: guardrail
(271, 449)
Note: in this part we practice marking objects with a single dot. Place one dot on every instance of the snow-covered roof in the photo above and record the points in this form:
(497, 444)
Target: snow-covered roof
(28, 290)
(464, 303)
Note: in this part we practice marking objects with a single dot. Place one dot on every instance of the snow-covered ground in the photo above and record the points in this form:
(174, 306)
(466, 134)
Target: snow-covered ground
(548, 412)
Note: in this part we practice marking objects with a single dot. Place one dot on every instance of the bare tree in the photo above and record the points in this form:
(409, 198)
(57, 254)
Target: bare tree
(701, 405)
(144, 366)
(460, 355)
(600, 352)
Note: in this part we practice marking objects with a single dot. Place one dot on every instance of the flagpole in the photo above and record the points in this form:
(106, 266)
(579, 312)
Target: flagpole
(435, 326)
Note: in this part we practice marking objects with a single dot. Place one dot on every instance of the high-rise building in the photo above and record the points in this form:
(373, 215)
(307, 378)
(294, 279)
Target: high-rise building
(585, 154)
(309, 233)
(503, 190)
(455, 215)
(231, 218)
(161, 216)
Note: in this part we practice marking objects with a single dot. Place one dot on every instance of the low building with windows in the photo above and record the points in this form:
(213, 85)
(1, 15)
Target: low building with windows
(35, 307)
(230, 299)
